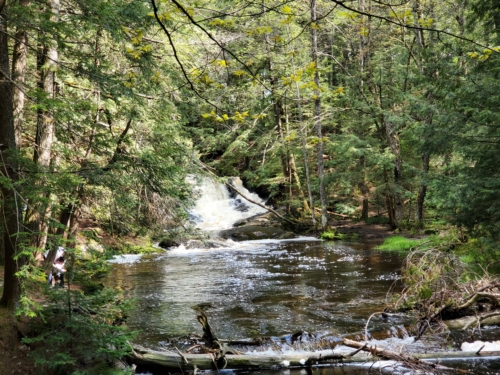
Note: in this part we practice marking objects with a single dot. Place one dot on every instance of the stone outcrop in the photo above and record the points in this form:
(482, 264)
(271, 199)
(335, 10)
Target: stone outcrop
(257, 228)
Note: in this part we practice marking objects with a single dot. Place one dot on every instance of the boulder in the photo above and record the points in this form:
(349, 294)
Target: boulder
(255, 232)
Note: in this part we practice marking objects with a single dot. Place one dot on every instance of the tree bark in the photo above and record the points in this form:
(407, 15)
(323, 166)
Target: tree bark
(303, 136)
(389, 202)
(187, 362)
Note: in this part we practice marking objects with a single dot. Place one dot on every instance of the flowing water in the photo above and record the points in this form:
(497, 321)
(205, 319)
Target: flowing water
(258, 288)
(271, 288)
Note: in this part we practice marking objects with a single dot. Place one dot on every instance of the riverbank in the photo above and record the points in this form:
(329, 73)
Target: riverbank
(365, 231)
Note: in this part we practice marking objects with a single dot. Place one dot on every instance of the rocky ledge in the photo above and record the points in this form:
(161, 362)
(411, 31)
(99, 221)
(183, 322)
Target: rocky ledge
(257, 227)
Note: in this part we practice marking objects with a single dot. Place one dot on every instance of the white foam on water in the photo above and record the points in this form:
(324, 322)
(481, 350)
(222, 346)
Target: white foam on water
(216, 210)
(489, 346)
(225, 245)
(126, 258)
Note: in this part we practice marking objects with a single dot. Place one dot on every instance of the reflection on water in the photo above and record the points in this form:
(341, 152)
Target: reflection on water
(259, 288)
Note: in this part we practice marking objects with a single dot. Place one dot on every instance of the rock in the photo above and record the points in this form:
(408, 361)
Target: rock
(166, 243)
(255, 232)
(209, 244)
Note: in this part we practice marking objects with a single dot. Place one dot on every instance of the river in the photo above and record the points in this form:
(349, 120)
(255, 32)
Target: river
(258, 288)
(272, 288)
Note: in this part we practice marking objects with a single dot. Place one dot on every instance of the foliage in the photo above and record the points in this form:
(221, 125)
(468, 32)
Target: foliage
(331, 235)
(141, 92)
(80, 334)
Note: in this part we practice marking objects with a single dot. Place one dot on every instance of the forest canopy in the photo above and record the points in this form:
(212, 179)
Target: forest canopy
(365, 109)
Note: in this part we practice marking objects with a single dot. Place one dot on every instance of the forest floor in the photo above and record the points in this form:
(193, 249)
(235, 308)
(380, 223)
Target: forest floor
(368, 231)
(14, 357)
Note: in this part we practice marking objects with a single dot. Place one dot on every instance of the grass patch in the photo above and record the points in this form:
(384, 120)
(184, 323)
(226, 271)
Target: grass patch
(398, 243)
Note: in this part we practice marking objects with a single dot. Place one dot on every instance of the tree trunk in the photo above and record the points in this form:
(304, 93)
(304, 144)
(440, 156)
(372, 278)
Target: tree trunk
(19, 59)
(11, 207)
(317, 119)
(303, 136)
(294, 176)
(39, 211)
(395, 145)
(431, 75)
(422, 190)
(364, 189)
(389, 203)
(363, 62)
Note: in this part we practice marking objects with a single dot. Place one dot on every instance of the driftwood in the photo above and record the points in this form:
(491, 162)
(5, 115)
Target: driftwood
(406, 360)
(487, 319)
(208, 334)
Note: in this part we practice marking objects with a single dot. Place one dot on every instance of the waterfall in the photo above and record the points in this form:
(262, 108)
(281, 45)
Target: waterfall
(218, 209)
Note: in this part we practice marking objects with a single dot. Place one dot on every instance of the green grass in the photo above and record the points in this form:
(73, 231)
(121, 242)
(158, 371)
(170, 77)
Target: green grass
(398, 243)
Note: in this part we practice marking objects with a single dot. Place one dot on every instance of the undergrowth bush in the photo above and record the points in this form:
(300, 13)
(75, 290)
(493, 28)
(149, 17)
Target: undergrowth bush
(80, 333)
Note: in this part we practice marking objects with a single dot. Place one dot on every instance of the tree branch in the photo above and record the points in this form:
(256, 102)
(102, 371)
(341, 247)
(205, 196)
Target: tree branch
(343, 5)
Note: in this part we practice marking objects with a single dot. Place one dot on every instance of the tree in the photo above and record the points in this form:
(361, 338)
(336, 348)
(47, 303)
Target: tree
(11, 206)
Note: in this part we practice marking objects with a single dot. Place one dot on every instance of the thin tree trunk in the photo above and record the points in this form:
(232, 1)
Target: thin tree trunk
(363, 61)
(395, 145)
(317, 119)
(278, 112)
(304, 146)
(431, 75)
(389, 202)
(294, 176)
(364, 189)
(422, 190)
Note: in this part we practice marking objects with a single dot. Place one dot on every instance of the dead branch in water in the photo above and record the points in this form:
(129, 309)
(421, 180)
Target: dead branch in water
(229, 185)
(405, 359)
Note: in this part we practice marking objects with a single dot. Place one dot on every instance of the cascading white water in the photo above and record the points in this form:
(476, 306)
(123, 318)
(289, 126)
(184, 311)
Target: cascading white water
(218, 209)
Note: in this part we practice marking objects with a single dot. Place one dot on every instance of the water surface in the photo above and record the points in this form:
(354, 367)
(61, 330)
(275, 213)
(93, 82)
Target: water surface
(258, 288)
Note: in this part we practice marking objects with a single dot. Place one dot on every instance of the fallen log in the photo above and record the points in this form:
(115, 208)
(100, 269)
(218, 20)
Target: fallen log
(185, 361)
(178, 362)
(488, 319)
(406, 360)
